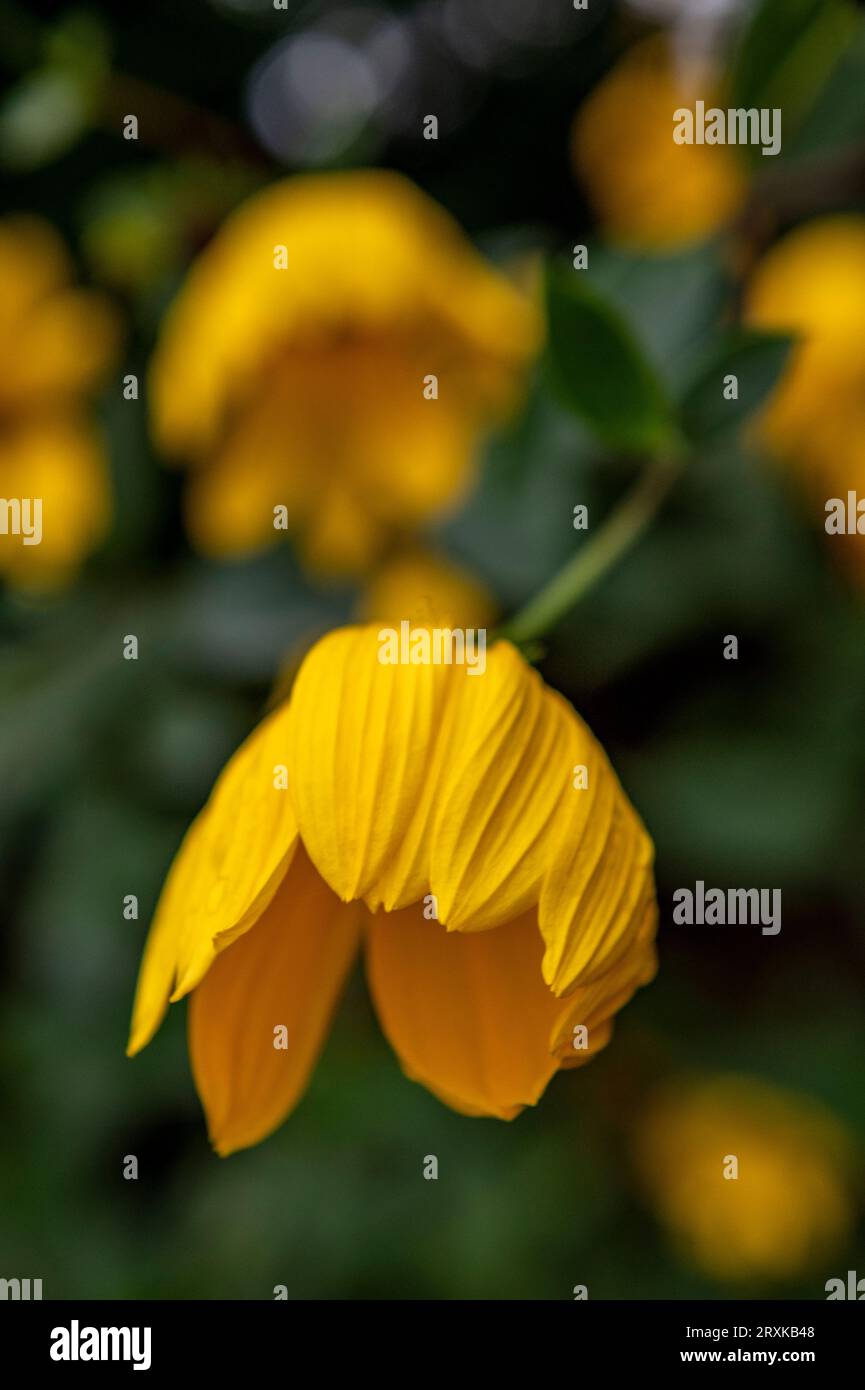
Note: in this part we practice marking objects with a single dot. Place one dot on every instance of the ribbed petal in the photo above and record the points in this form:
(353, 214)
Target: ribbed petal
(599, 885)
(360, 741)
(511, 830)
(225, 874)
(508, 767)
(287, 971)
(469, 1016)
(596, 1004)
(409, 780)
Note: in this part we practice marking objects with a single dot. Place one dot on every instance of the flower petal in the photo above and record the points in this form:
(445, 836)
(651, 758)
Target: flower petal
(508, 819)
(595, 1004)
(225, 874)
(286, 972)
(230, 505)
(508, 764)
(469, 1015)
(360, 739)
(599, 888)
(182, 891)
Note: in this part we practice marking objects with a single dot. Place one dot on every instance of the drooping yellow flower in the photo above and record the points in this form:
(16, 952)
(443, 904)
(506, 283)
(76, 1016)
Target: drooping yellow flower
(336, 351)
(430, 814)
(789, 1205)
(56, 342)
(649, 193)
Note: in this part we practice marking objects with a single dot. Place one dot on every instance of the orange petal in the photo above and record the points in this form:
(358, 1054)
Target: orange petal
(285, 973)
(470, 1016)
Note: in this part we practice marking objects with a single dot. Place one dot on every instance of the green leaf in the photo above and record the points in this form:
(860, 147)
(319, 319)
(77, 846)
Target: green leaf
(756, 360)
(837, 118)
(787, 53)
(672, 302)
(600, 372)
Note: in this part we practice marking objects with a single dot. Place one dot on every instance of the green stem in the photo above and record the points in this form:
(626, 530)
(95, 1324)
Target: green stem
(622, 528)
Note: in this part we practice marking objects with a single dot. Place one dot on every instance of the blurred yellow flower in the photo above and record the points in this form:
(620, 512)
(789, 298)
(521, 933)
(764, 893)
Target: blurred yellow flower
(425, 587)
(429, 812)
(648, 192)
(812, 284)
(413, 583)
(788, 1207)
(56, 342)
(336, 351)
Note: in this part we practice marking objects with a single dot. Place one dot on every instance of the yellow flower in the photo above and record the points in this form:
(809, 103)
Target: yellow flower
(295, 367)
(429, 814)
(427, 588)
(648, 192)
(55, 343)
(812, 284)
(788, 1207)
